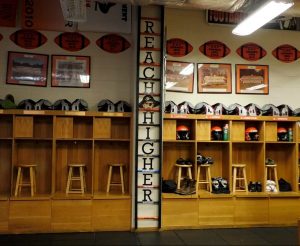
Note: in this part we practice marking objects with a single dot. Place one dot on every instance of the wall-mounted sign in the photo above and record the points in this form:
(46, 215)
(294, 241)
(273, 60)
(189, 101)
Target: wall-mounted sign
(28, 39)
(72, 41)
(251, 51)
(149, 118)
(214, 49)
(8, 12)
(178, 47)
(286, 53)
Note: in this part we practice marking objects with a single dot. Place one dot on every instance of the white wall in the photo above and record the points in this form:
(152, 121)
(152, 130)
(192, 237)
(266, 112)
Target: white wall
(284, 78)
(111, 74)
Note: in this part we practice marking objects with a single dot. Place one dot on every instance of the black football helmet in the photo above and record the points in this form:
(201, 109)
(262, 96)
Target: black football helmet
(203, 108)
(253, 109)
(183, 132)
(79, 105)
(282, 134)
(106, 105)
(27, 104)
(122, 106)
(269, 110)
(236, 109)
(219, 109)
(43, 104)
(62, 104)
(216, 133)
(296, 112)
(171, 107)
(185, 107)
(285, 110)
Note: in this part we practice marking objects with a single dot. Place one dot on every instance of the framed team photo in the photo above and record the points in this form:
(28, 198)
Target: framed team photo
(27, 69)
(180, 76)
(252, 79)
(214, 78)
(70, 71)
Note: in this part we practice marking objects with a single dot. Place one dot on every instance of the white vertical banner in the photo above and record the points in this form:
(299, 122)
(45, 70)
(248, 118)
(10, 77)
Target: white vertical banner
(149, 119)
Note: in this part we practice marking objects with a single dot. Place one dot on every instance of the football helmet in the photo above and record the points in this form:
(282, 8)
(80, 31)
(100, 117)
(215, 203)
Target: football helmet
(269, 110)
(219, 109)
(253, 109)
(185, 108)
(122, 106)
(251, 134)
(79, 105)
(106, 105)
(216, 133)
(182, 132)
(203, 108)
(27, 104)
(171, 107)
(43, 104)
(285, 110)
(236, 109)
(62, 104)
(282, 134)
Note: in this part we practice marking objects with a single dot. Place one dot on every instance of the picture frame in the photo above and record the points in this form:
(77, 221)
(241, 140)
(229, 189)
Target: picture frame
(27, 69)
(252, 79)
(214, 78)
(70, 71)
(180, 76)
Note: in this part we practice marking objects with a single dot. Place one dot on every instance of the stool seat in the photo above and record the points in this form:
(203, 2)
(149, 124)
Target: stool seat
(81, 178)
(207, 179)
(188, 167)
(239, 174)
(271, 172)
(31, 176)
(110, 173)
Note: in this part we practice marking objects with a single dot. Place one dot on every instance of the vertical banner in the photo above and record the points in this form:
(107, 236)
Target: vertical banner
(149, 118)
(8, 12)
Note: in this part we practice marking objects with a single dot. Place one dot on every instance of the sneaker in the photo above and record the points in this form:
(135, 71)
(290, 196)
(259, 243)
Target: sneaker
(251, 187)
(258, 186)
(269, 161)
(180, 161)
(188, 162)
(224, 187)
(201, 159)
(209, 160)
(215, 186)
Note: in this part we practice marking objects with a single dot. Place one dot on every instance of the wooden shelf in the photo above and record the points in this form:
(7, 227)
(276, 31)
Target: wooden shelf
(111, 195)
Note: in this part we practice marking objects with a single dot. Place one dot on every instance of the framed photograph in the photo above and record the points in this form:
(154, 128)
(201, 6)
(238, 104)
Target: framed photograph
(27, 69)
(70, 71)
(180, 76)
(252, 79)
(214, 78)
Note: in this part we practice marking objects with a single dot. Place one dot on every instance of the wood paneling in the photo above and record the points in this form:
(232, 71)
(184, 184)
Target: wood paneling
(23, 127)
(4, 206)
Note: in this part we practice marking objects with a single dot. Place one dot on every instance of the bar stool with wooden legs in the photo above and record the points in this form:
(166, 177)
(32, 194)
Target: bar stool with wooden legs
(239, 177)
(187, 167)
(72, 177)
(110, 173)
(207, 179)
(31, 168)
(271, 173)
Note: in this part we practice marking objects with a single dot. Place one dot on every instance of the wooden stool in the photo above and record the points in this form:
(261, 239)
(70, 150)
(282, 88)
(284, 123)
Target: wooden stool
(207, 179)
(109, 181)
(31, 176)
(72, 177)
(179, 172)
(270, 173)
(239, 174)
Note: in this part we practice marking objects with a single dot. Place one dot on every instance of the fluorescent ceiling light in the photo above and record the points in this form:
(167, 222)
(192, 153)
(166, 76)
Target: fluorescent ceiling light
(262, 16)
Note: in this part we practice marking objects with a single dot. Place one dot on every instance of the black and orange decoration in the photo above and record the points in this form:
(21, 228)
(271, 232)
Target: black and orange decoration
(72, 41)
(178, 47)
(286, 53)
(214, 49)
(113, 43)
(28, 39)
(251, 52)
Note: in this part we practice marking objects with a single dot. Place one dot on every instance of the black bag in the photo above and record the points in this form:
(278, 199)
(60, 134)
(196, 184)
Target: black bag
(284, 185)
(169, 186)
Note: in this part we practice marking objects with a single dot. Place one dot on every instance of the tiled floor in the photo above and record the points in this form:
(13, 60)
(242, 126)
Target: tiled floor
(244, 236)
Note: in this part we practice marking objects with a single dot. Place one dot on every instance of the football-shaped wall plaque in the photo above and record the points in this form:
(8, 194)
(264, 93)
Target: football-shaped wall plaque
(72, 41)
(113, 43)
(214, 49)
(286, 53)
(178, 47)
(28, 39)
(251, 52)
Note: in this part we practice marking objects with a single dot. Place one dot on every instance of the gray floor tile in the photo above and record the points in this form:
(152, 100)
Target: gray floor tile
(159, 238)
(116, 238)
(200, 237)
(241, 237)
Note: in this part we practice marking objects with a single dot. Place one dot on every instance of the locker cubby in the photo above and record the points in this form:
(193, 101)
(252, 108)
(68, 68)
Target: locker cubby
(43, 127)
(6, 126)
(219, 123)
(108, 152)
(23, 126)
(38, 152)
(5, 167)
(238, 130)
(271, 130)
(83, 127)
(284, 155)
(219, 151)
(172, 152)
(68, 152)
(191, 124)
(251, 154)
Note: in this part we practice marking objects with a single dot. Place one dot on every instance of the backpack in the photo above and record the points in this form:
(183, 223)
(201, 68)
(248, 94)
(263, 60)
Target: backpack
(284, 185)
(169, 186)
